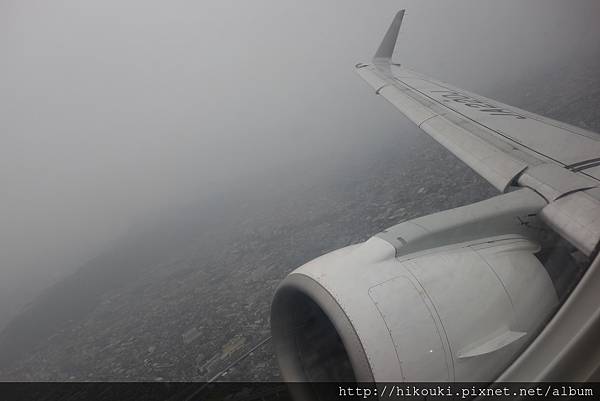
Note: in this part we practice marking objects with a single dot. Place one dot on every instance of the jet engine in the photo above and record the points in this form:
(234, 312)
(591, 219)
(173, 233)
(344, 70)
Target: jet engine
(453, 296)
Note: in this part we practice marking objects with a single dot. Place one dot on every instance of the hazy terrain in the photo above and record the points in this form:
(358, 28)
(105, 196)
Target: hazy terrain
(196, 206)
(188, 294)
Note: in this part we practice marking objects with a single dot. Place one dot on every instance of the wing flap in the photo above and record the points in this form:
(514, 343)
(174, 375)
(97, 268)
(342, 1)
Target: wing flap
(497, 167)
(577, 218)
(554, 182)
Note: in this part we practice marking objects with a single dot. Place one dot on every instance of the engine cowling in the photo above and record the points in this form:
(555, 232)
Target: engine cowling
(453, 312)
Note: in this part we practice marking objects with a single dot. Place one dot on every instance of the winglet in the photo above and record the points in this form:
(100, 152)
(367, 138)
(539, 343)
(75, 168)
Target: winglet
(386, 48)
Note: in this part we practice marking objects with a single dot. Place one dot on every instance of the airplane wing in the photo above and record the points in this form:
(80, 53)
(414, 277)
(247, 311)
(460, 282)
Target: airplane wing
(507, 146)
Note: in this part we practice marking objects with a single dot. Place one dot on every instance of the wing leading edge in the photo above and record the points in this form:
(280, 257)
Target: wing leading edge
(505, 145)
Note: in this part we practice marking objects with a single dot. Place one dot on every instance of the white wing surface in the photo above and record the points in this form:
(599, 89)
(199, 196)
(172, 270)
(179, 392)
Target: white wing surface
(507, 146)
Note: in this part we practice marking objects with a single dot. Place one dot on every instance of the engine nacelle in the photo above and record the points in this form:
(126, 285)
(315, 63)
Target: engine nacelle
(450, 308)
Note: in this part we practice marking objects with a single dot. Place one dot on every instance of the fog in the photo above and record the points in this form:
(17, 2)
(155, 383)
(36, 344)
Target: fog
(116, 112)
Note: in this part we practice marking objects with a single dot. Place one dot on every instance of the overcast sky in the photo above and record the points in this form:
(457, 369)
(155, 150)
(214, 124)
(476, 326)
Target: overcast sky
(115, 110)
